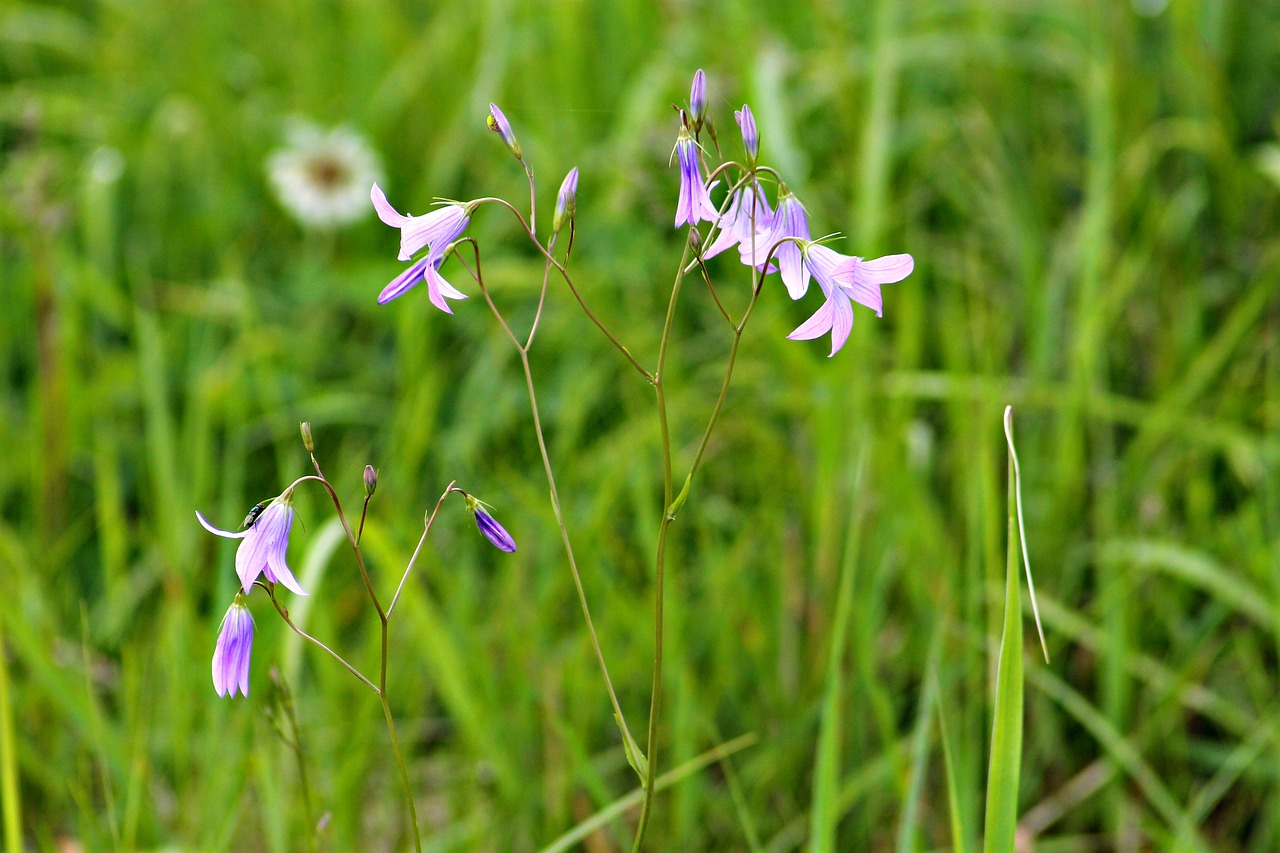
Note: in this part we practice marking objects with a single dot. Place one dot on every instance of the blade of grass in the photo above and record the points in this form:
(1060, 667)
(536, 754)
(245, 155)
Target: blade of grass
(1006, 736)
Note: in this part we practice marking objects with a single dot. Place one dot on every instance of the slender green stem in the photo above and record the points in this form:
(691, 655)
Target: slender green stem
(523, 351)
(383, 619)
(404, 772)
(564, 274)
(426, 529)
(351, 537)
(660, 561)
(284, 614)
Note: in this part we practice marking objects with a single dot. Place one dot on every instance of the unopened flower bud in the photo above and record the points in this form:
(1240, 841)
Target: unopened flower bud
(695, 241)
(307, 441)
(492, 530)
(567, 200)
(370, 481)
(698, 101)
(750, 138)
(498, 124)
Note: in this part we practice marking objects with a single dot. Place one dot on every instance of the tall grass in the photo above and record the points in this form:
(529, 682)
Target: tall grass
(1095, 243)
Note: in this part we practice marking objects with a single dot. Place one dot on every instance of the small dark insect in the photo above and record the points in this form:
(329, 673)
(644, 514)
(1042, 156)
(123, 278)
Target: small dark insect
(253, 515)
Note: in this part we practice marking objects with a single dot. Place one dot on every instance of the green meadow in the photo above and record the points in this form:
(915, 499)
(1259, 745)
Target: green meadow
(1091, 193)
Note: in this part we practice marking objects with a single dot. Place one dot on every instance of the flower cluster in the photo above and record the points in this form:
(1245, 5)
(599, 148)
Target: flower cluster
(261, 560)
(764, 235)
(780, 237)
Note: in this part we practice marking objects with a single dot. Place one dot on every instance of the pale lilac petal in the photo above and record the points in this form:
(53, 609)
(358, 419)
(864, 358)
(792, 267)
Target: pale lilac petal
(736, 224)
(437, 229)
(437, 288)
(841, 321)
(790, 220)
(887, 270)
(228, 534)
(864, 293)
(401, 284)
(386, 212)
(824, 263)
(277, 566)
(816, 326)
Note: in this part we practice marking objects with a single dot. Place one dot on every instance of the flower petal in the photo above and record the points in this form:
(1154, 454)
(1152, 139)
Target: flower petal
(402, 283)
(816, 326)
(386, 212)
(887, 270)
(842, 320)
(227, 534)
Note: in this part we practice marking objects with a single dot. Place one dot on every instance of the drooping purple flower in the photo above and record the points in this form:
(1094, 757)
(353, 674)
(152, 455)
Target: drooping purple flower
(498, 124)
(695, 204)
(698, 100)
(566, 199)
(742, 219)
(789, 220)
(434, 231)
(492, 530)
(845, 279)
(750, 137)
(263, 545)
(231, 655)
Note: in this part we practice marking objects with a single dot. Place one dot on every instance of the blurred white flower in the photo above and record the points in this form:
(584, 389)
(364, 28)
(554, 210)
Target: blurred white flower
(323, 176)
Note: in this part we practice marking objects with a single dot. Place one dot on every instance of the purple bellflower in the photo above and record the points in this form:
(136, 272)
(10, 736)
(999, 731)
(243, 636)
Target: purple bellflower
(492, 530)
(231, 655)
(695, 203)
(263, 544)
(741, 220)
(845, 279)
(566, 200)
(789, 220)
(434, 231)
(498, 123)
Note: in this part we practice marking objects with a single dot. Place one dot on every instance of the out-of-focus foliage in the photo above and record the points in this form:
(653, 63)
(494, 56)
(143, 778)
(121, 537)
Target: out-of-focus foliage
(1086, 190)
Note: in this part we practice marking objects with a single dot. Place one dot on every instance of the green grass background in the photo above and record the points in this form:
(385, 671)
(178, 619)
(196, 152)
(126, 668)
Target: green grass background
(1084, 186)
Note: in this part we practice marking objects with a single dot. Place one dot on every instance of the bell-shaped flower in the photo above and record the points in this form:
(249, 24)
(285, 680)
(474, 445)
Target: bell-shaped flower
(695, 203)
(748, 213)
(846, 279)
(263, 545)
(434, 232)
(231, 655)
(789, 220)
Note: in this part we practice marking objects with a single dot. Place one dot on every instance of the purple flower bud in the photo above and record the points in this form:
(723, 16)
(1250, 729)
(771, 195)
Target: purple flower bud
(567, 200)
(231, 655)
(750, 138)
(698, 100)
(492, 530)
(370, 480)
(498, 124)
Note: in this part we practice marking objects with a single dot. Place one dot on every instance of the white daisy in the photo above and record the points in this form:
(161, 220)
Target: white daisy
(323, 176)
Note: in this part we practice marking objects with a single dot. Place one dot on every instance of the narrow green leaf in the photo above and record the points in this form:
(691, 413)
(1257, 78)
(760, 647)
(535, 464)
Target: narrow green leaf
(1006, 735)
